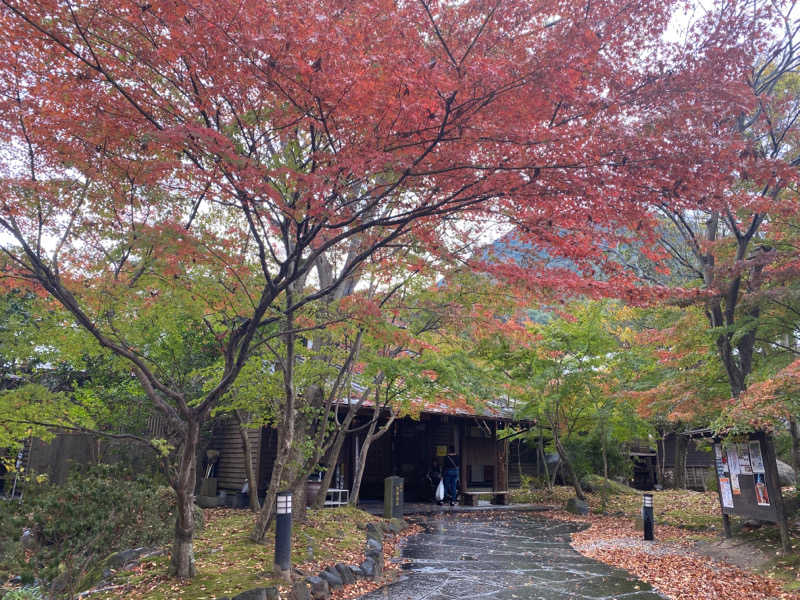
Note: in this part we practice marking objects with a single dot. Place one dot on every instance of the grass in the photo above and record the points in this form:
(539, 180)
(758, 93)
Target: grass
(229, 563)
(698, 511)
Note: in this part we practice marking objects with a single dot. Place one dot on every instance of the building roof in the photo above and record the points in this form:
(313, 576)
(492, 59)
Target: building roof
(500, 410)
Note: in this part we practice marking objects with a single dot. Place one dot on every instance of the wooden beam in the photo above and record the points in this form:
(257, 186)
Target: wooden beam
(772, 481)
(462, 453)
(496, 475)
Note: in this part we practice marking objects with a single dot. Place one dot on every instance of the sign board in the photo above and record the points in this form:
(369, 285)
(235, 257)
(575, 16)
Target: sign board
(441, 450)
(748, 480)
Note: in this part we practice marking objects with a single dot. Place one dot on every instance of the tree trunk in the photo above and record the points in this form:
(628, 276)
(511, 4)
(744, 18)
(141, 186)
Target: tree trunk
(265, 515)
(679, 471)
(182, 560)
(562, 453)
(543, 458)
(519, 459)
(373, 433)
(795, 431)
(299, 509)
(286, 431)
(330, 466)
(362, 462)
(605, 473)
(252, 481)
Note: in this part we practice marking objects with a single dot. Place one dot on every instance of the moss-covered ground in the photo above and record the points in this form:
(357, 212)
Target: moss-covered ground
(229, 563)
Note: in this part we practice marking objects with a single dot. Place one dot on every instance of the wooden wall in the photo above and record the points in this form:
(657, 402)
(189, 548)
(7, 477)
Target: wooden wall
(230, 470)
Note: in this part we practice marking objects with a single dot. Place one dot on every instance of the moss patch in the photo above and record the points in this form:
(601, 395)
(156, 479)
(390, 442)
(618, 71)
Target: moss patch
(229, 563)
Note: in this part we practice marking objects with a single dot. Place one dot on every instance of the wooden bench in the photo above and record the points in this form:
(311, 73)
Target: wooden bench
(500, 497)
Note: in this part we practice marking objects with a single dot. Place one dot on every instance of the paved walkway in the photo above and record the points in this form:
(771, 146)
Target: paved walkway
(430, 508)
(504, 556)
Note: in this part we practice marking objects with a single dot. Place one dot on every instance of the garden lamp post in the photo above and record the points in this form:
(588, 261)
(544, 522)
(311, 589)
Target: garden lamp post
(283, 535)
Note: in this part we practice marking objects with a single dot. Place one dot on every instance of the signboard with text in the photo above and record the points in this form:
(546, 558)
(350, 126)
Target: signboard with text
(747, 477)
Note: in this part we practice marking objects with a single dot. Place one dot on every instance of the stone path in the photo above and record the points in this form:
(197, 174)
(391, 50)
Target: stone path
(504, 556)
(430, 508)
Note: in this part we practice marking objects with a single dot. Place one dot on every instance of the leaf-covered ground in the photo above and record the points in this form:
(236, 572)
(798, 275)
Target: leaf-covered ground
(674, 563)
(229, 563)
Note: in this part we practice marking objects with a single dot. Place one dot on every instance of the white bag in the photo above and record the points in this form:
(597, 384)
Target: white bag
(440, 491)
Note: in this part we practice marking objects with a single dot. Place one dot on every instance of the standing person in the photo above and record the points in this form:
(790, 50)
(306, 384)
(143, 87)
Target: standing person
(451, 472)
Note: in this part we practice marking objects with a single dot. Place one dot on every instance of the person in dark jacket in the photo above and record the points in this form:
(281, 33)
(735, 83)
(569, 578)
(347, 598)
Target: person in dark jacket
(452, 465)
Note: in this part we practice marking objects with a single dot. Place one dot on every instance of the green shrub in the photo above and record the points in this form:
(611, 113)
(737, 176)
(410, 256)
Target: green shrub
(24, 593)
(76, 525)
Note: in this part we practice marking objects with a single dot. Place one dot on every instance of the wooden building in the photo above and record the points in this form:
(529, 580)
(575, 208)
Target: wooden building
(407, 450)
(656, 466)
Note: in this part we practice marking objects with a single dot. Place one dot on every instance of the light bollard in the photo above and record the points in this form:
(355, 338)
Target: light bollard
(647, 516)
(283, 535)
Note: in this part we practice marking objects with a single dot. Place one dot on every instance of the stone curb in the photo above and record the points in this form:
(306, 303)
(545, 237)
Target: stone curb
(318, 587)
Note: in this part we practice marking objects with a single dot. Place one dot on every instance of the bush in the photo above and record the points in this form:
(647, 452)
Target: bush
(24, 593)
(75, 526)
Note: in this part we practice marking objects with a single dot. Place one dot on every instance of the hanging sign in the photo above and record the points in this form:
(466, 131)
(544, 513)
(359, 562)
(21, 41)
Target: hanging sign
(756, 460)
(733, 464)
(725, 492)
(743, 452)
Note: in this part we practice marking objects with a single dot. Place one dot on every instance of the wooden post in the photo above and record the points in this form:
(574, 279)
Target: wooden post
(726, 526)
(773, 483)
(500, 482)
(496, 473)
(462, 452)
(726, 520)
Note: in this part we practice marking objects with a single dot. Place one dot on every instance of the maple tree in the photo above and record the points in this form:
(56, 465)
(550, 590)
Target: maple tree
(568, 372)
(730, 253)
(218, 151)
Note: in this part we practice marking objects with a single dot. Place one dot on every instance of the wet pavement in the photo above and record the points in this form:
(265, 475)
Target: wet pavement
(504, 556)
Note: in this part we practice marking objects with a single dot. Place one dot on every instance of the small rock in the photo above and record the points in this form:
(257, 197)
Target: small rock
(345, 573)
(300, 591)
(374, 531)
(752, 523)
(785, 474)
(368, 568)
(357, 571)
(374, 555)
(319, 588)
(332, 577)
(270, 593)
(397, 525)
(373, 544)
(577, 507)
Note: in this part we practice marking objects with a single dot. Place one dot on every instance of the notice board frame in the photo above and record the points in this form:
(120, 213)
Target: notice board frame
(747, 506)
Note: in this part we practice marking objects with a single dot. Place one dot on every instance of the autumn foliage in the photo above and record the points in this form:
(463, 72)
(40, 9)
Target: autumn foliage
(212, 154)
